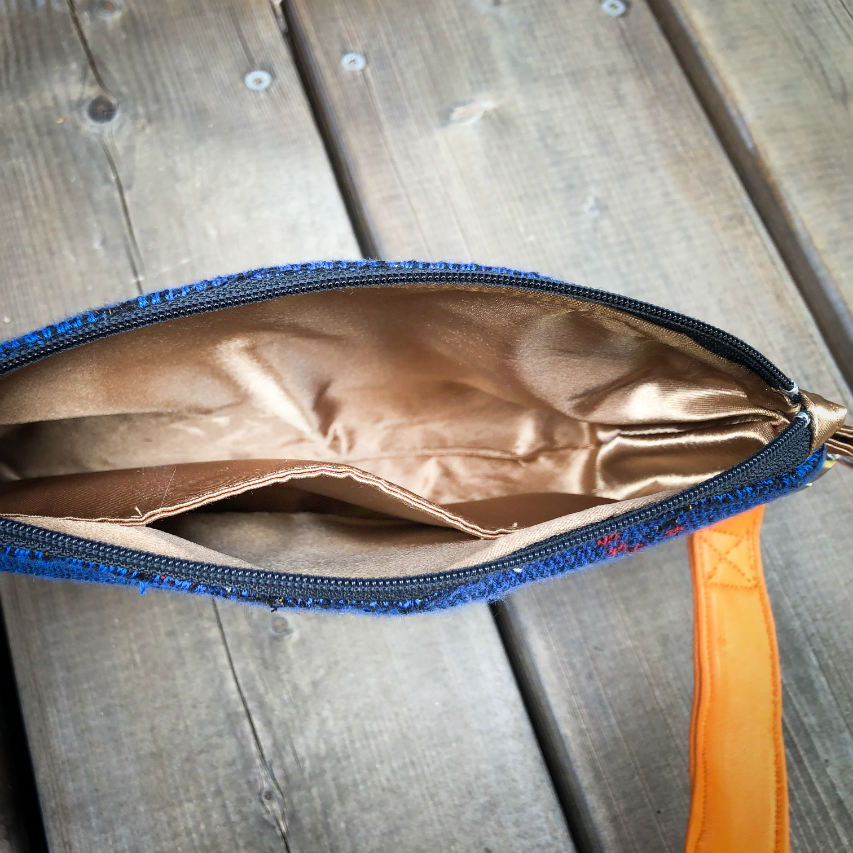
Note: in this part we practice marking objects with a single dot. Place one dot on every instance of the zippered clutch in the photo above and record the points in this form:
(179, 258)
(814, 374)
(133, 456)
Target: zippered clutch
(384, 437)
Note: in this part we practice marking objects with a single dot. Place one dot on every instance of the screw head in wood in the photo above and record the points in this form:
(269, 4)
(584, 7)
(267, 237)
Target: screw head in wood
(614, 8)
(107, 8)
(102, 109)
(258, 80)
(353, 62)
(280, 625)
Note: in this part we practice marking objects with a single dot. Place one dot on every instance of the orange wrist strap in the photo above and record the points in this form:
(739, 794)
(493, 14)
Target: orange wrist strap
(739, 796)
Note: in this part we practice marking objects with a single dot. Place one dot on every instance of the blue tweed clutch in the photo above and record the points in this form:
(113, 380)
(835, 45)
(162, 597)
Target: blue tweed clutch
(383, 437)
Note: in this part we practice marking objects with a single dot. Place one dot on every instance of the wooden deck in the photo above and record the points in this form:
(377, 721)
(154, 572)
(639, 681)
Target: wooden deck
(696, 153)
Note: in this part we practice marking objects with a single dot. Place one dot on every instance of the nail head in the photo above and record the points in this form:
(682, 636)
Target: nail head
(280, 625)
(107, 8)
(614, 8)
(353, 62)
(101, 109)
(258, 80)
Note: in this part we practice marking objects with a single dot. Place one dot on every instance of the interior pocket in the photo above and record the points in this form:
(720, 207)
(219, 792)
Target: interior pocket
(144, 495)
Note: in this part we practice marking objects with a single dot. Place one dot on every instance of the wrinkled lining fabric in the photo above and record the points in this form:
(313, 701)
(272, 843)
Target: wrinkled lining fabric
(484, 409)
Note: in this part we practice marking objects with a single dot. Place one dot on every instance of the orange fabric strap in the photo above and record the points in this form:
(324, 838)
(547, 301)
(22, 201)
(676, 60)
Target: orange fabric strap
(739, 795)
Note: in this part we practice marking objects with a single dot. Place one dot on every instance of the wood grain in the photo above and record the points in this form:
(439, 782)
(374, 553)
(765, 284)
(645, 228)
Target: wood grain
(776, 82)
(169, 722)
(551, 136)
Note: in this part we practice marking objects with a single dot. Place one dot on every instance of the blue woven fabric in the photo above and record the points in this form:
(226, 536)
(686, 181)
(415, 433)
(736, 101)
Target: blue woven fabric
(493, 586)
(139, 306)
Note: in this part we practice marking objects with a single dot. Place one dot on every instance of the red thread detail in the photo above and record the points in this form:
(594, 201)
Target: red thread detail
(624, 548)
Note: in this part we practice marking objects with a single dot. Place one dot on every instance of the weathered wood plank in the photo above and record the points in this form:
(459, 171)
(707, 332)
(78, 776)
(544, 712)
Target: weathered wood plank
(168, 722)
(550, 136)
(776, 82)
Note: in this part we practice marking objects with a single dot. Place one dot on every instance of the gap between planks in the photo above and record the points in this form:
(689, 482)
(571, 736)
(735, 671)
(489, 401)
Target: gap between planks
(312, 85)
(21, 823)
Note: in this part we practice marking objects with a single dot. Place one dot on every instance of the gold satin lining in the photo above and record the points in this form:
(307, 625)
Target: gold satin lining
(827, 418)
(486, 410)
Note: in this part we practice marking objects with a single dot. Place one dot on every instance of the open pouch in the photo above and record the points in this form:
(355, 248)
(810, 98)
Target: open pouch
(382, 436)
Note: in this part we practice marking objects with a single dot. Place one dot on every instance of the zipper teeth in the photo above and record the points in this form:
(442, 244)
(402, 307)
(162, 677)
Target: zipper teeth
(207, 300)
(283, 585)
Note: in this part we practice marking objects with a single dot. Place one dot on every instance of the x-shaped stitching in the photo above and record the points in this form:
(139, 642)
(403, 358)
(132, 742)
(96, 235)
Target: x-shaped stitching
(723, 557)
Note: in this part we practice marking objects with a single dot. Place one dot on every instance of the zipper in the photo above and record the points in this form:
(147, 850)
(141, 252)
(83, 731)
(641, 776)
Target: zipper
(272, 283)
(269, 585)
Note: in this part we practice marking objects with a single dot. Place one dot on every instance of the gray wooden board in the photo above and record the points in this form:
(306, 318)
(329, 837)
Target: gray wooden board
(169, 722)
(551, 136)
(776, 82)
